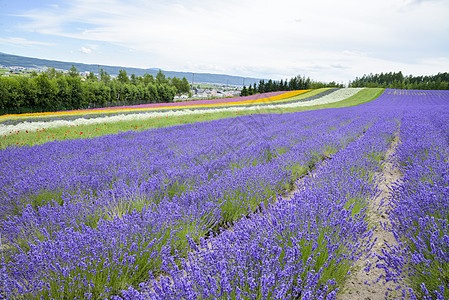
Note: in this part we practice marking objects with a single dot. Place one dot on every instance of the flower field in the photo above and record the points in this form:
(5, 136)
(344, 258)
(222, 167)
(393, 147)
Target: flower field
(32, 129)
(198, 210)
(257, 98)
(123, 113)
(420, 203)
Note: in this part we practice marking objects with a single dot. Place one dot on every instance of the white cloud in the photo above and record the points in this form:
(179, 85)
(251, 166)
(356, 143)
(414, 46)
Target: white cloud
(15, 41)
(316, 38)
(85, 50)
(92, 46)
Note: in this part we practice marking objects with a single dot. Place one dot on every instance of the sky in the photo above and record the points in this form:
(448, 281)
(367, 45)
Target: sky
(325, 40)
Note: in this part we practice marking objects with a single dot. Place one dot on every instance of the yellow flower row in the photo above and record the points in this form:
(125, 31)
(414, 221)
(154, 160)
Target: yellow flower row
(268, 99)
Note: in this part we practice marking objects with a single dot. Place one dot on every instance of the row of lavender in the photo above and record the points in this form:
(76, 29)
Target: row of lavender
(91, 217)
(300, 248)
(419, 205)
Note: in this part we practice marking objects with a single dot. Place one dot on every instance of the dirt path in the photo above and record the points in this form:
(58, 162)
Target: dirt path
(299, 183)
(355, 287)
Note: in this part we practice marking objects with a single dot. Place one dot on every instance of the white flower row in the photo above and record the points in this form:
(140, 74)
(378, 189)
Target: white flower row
(336, 96)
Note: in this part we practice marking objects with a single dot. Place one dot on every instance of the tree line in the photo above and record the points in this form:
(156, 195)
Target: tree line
(54, 90)
(399, 81)
(295, 83)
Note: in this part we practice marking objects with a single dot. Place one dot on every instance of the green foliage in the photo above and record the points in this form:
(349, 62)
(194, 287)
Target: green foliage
(91, 77)
(148, 78)
(160, 78)
(399, 81)
(104, 76)
(295, 83)
(250, 90)
(44, 197)
(73, 72)
(122, 76)
(47, 90)
(134, 79)
(51, 72)
(181, 85)
(52, 91)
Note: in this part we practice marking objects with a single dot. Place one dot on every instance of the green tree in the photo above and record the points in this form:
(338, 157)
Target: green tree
(91, 77)
(4, 95)
(134, 79)
(185, 85)
(51, 73)
(122, 76)
(165, 93)
(160, 78)
(73, 72)
(13, 91)
(244, 91)
(148, 79)
(250, 90)
(104, 76)
(176, 82)
(261, 88)
(29, 91)
(128, 93)
(75, 91)
(182, 85)
(64, 93)
(152, 93)
(47, 91)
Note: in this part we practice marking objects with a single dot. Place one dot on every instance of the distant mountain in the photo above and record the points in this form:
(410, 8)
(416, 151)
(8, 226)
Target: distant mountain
(22, 61)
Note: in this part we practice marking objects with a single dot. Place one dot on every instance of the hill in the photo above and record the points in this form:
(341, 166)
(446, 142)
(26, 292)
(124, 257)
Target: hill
(30, 62)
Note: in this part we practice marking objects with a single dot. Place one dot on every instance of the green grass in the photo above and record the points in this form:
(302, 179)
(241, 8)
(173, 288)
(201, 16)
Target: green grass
(364, 96)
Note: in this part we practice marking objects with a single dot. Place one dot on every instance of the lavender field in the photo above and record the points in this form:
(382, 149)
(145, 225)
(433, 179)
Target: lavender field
(198, 211)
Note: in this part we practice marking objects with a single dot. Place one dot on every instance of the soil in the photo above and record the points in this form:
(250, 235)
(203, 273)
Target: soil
(355, 287)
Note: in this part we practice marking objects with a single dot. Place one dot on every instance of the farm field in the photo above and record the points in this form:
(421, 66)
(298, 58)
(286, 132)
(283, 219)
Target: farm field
(31, 129)
(265, 97)
(191, 203)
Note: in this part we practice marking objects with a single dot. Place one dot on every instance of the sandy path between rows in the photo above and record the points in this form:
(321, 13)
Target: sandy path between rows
(355, 287)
